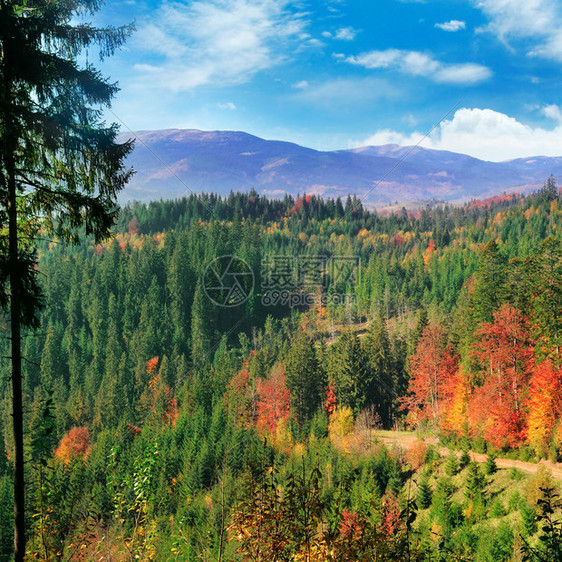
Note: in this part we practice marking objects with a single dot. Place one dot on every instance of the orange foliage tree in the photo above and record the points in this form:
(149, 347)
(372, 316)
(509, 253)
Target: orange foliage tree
(331, 400)
(159, 400)
(545, 405)
(273, 404)
(431, 369)
(239, 396)
(504, 351)
(74, 445)
(456, 414)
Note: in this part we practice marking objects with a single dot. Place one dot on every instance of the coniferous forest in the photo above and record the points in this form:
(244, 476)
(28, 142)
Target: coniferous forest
(165, 423)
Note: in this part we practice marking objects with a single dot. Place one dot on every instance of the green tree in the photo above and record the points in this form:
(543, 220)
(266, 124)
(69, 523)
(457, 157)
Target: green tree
(490, 467)
(347, 370)
(424, 492)
(489, 283)
(304, 377)
(200, 328)
(546, 287)
(548, 192)
(381, 390)
(60, 165)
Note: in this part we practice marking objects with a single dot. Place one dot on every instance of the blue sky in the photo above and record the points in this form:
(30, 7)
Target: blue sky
(482, 75)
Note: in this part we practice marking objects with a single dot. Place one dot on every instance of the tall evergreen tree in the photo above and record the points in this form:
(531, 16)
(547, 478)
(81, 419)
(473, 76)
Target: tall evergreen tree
(489, 283)
(58, 161)
(200, 327)
(347, 369)
(304, 377)
(380, 392)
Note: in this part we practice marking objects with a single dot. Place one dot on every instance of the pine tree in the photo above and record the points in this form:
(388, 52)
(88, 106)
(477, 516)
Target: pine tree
(304, 377)
(452, 465)
(424, 493)
(546, 303)
(200, 328)
(348, 371)
(490, 467)
(489, 283)
(475, 482)
(58, 161)
(529, 518)
(464, 459)
(381, 390)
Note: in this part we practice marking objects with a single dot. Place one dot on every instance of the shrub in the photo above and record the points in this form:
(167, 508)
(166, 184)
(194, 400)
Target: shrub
(528, 518)
(416, 454)
(541, 480)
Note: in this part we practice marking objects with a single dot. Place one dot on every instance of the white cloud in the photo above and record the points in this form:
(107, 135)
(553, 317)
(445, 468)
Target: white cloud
(339, 93)
(342, 34)
(302, 85)
(553, 112)
(453, 25)
(228, 105)
(410, 120)
(526, 19)
(216, 41)
(484, 134)
(421, 64)
(345, 34)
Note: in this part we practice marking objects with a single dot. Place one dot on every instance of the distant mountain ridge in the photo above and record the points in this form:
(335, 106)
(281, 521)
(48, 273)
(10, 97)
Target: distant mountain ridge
(171, 163)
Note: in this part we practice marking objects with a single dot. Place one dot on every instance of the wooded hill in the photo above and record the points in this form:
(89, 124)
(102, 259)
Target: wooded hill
(163, 423)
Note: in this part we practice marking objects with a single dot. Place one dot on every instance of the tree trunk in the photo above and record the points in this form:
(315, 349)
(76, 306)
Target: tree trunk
(17, 407)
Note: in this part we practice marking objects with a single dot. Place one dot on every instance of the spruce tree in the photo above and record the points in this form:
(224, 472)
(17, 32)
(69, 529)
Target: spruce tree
(60, 165)
(380, 391)
(489, 284)
(304, 377)
(424, 493)
(490, 467)
(347, 369)
(200, 328)
(452, 465)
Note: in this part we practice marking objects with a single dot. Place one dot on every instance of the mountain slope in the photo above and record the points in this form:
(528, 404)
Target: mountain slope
(171, 163)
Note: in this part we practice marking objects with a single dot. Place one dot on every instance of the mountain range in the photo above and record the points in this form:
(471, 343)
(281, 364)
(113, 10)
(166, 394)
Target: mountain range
(172, 163)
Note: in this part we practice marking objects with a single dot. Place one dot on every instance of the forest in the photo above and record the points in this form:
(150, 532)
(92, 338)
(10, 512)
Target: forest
(162, 425)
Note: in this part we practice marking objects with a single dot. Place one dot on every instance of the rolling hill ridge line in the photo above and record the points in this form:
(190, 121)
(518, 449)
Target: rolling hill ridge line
(170, 163)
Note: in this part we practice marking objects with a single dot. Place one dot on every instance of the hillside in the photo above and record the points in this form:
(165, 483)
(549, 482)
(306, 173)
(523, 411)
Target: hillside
(172, 163)
(164, 421)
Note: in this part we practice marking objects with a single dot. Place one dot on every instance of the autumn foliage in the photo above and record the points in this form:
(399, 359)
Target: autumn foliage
(273, 404)
(504, 353)
(74, 445)
(506, 396)
(545, 404)
(432, 368)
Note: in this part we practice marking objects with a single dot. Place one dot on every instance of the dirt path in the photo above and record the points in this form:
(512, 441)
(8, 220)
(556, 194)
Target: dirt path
(406, 439)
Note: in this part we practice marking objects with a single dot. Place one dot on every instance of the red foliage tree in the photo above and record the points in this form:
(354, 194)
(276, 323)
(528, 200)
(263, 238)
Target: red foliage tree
(431, 369)
(151, 365)
(391, 514)
(273, 402)
(331, 400)
(74, 445)
(504, 351)
(351, 527)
